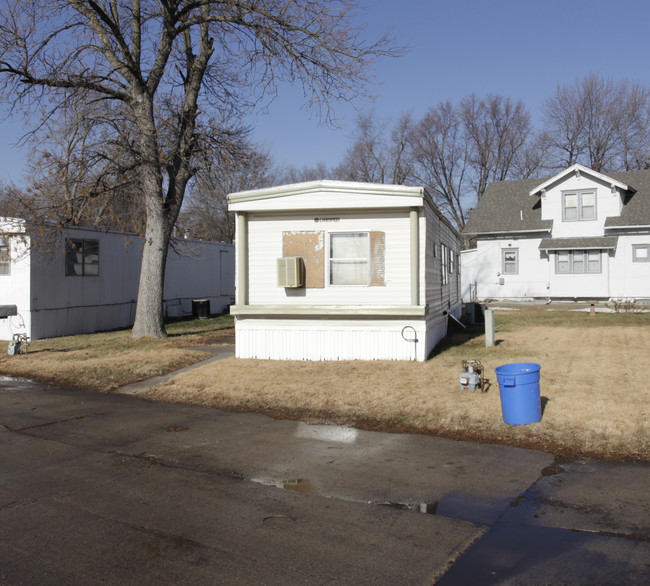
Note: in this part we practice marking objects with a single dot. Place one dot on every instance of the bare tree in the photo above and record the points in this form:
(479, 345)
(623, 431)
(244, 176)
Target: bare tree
(377, 155)
(237, 166)
(441, 155)
(79, 174)
(601, 123)
(166, 62)
(307, 173)
(496, 130)
(457, 151)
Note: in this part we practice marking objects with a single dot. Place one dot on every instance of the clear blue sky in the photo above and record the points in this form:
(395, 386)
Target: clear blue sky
(522, 49)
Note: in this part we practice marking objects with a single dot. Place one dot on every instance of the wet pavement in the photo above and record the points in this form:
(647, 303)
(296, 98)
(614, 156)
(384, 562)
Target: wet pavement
(113, 489)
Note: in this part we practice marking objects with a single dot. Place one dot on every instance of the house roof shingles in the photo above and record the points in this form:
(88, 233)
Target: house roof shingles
(506, 206)
(594, 242)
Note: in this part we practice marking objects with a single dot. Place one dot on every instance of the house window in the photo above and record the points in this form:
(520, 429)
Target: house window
(510, 261)
(5, 265)
(81, 258)
(444, 264)
(577, 261)
(349, 258)
(641, 253)
(578, 205)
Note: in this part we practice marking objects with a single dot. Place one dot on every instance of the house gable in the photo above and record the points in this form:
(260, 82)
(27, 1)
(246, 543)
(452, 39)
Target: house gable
(578, 201)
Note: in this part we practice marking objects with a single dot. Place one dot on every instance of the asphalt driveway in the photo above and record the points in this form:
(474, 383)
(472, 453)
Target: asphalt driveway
(111, 489)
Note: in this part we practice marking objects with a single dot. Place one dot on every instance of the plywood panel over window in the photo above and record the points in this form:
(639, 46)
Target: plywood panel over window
(311, 247)
(377, 255)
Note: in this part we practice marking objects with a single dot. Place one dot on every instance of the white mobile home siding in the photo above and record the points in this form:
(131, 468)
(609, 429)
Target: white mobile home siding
(52, 304)
(265, 234)
(15, 287)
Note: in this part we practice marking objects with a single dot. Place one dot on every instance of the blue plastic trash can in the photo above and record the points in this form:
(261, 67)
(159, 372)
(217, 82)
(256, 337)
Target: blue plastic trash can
(519, 390)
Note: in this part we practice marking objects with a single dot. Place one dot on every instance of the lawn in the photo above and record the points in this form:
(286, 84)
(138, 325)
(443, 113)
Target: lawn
(594, 380)
(108, 360)
(594, 386)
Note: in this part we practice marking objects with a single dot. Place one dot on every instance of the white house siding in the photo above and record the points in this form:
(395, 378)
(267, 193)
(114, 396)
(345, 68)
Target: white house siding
(629, 279)
(483, 268)
(265, 247)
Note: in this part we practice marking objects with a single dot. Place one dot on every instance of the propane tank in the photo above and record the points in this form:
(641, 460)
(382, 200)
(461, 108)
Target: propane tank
(469, 380)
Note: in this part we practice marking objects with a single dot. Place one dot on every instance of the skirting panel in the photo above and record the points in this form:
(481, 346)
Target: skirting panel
(337, 339)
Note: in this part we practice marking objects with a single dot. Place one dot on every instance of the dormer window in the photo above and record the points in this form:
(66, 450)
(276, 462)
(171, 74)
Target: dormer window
(579, 205)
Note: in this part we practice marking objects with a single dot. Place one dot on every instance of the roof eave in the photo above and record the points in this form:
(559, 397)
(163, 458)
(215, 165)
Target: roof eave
(578, 168)
(327, 186)
(500, 232)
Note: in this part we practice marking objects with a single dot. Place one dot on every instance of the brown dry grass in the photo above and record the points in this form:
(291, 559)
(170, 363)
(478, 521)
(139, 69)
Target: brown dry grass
(105, 361)
(594, 380)
(594, 386)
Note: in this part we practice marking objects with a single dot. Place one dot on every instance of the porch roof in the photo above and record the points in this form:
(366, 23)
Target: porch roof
(591, 243)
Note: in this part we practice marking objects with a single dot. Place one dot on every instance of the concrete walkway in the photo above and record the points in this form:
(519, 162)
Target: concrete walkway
(215, 352)
(112, 489)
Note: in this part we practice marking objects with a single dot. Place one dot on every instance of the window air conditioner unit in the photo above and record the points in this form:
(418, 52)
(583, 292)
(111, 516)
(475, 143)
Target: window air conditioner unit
(290, 271)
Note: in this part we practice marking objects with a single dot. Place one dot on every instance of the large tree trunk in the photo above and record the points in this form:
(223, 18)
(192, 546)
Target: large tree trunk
(149, 321)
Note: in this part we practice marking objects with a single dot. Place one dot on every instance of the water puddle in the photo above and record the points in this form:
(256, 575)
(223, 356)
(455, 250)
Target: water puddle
(456, 506)
(302, 485)
(515, 553)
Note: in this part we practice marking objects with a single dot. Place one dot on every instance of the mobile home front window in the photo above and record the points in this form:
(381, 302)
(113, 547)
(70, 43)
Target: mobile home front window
(349, 258)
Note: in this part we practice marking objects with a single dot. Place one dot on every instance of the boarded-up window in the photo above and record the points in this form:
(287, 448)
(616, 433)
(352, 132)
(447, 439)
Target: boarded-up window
(377, 255)
(311, 247)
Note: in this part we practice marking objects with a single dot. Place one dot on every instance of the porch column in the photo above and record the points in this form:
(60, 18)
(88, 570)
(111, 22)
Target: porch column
(241, 292)
(415, 257)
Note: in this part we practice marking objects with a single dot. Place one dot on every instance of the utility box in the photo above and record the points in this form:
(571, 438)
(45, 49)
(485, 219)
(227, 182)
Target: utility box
(8, 311)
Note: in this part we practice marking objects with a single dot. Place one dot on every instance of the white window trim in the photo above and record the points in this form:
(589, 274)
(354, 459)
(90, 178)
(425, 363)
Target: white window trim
(585, 260)
(638, 247)
(503, 261)
(329, 258)
(579, 193)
